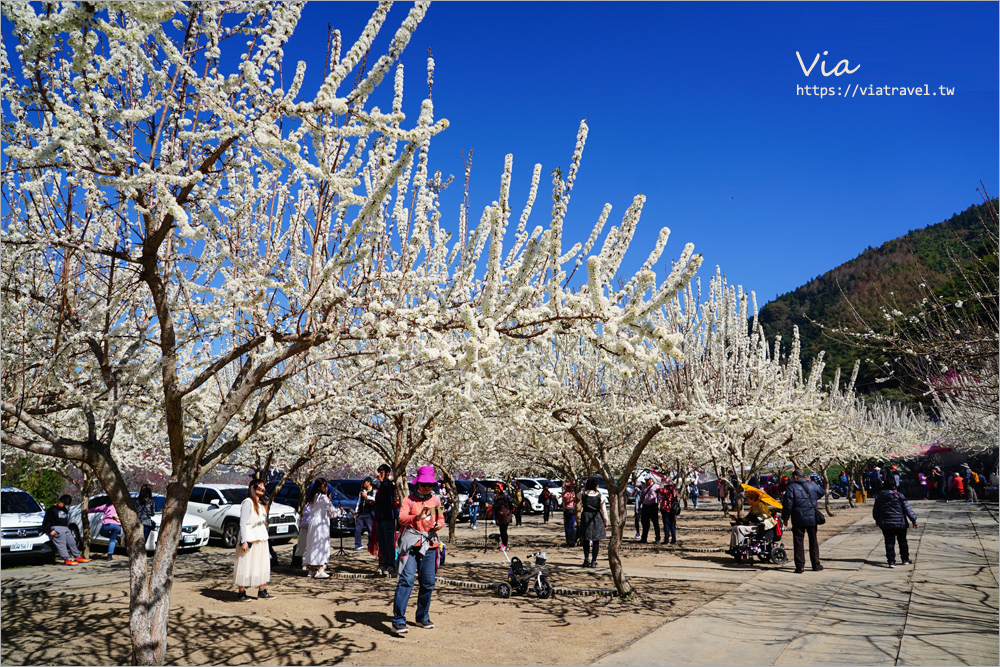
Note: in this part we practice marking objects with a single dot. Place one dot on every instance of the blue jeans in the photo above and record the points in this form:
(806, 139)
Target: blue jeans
(111, 531)
(473, 515)
(694, 499)
(425, 569)
(569, 524)
(669, 527)
(362, 522)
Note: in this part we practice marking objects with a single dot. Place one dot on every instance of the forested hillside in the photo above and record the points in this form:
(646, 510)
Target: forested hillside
(885, 277)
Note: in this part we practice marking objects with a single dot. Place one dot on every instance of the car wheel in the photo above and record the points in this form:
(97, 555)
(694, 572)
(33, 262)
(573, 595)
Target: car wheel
(503, 590)
(230, 534)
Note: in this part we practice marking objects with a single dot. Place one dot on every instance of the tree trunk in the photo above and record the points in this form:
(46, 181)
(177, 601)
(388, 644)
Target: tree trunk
(826, 490)
(149, 603)
(88, 483)
(616, 511)
(449, 484)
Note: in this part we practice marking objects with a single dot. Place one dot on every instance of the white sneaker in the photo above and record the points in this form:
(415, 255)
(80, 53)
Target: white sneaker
(321, 575)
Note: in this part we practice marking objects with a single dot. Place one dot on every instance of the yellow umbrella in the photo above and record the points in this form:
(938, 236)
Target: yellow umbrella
(766, 499)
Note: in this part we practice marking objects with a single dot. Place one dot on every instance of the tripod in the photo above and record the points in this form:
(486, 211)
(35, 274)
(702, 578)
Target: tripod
(340, 551)
(486, 535)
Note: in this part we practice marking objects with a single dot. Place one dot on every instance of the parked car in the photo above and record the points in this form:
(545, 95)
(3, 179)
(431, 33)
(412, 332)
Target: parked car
(351, 488)
(532, 487)
(290, 495)
(194, 530)
(21, 535)
(219, 506)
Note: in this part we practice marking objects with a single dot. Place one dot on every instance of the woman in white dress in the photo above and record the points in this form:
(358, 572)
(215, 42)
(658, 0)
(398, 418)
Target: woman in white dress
(253, 558)
(321, 510)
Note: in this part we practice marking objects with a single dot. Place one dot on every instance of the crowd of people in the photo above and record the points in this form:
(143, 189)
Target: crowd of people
(403, 536)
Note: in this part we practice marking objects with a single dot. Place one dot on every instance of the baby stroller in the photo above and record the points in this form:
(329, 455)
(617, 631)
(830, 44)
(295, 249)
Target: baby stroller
(520, 577)
(762, 545)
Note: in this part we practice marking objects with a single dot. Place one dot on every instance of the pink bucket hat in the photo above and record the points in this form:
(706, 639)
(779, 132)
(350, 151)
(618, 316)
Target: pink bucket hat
(425, 475)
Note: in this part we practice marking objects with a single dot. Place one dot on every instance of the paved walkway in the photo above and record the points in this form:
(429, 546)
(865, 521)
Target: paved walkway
(940, 611)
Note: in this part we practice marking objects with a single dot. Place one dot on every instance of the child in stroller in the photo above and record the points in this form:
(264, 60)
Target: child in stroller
(520, 577)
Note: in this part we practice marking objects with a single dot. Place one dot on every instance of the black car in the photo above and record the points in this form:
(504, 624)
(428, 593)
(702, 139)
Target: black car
(290, 495)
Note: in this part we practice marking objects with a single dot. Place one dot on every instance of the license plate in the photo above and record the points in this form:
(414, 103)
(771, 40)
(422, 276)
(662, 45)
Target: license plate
(281, 529)
(190, 539)
(20, 546)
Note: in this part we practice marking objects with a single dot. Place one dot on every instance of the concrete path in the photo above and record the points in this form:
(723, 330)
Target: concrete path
(940, 611)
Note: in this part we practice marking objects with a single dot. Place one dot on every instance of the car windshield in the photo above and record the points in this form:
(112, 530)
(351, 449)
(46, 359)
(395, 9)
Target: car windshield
(529, 484)
(350, 487)
(234, 496)
(336, 494)
(18, 502)
(463, 486)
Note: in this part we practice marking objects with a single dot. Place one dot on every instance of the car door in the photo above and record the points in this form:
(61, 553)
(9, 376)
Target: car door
(215, 514)
(196, 504)
(96, 519)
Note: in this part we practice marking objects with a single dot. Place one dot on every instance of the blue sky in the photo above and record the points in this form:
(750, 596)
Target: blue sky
(695, 105)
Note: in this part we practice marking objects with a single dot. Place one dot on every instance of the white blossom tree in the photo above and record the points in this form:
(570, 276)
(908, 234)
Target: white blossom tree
(181, 241)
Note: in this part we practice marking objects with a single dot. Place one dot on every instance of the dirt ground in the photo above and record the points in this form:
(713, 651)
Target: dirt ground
(346, 620)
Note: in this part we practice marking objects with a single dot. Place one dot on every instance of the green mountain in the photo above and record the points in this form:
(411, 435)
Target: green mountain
(885, 277)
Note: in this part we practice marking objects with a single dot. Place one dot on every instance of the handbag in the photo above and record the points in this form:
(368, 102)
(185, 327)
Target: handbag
(675, 507)
(820, 518)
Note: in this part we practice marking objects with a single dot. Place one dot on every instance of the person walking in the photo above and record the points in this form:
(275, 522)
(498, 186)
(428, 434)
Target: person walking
(593, 521)
(721, 483)
(650, 504)
(517, 497)
(890, 513)
(503, 512)
(145, 508)
(939, 482)
(922, 480)
(111, 525)
(569, 512)
(55, 524)
(546, 499)
(253, 560)
(475, 494)
(668, 499)
(799, 503)
(321, 510)
(693, 491)
(970, 480)
(385, 520)
(364, 512)
(420, 519)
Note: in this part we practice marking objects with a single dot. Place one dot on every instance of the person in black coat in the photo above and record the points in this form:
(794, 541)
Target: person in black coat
(799, 503)
(890, 513)
(385, 520)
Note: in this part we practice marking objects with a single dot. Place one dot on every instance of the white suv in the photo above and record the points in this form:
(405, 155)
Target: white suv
(532, 487)
(21, 519)
(219, 506)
